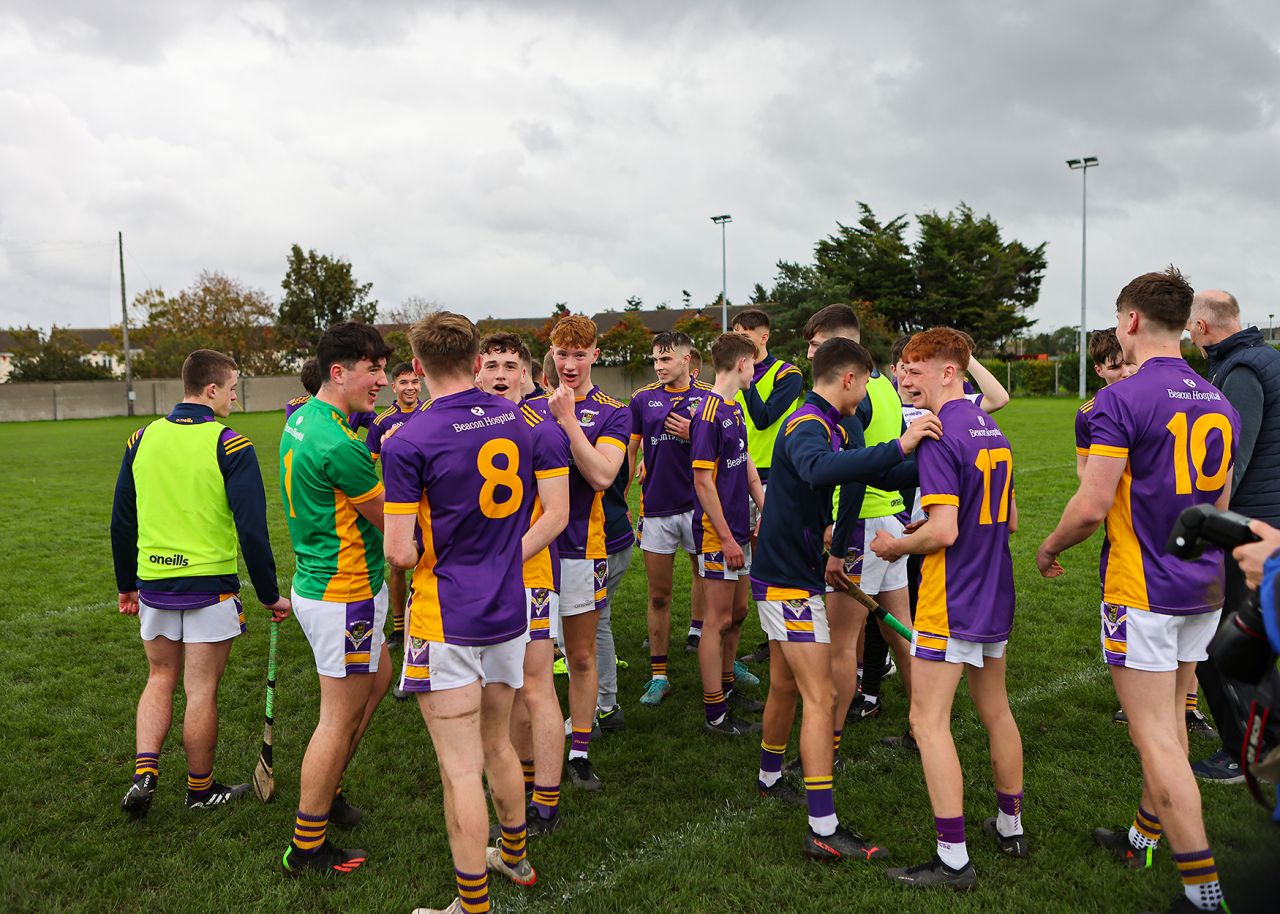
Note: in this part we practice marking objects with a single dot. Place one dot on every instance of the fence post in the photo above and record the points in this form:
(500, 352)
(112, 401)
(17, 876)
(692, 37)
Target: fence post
(1057, 367)
(1008, 376)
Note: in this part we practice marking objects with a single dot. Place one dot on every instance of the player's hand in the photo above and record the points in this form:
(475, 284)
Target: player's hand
(677, 425)
(913, 526)
(835, 575)
(826, 537)
(560, 402)
(280, 609)
(924, 427)
(755, 531)
(129, 603)
(1252, 556)
(1048, 563)
(885, 546)
(734, 557)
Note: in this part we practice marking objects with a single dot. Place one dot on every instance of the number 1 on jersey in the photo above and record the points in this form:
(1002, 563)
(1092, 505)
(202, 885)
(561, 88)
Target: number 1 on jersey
(1191, 450)
(288, 478)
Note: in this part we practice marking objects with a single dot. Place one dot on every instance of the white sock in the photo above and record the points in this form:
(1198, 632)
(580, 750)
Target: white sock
(953, 855)
(1008, 825)
(1206, 896)
(824, 826)
(769, 778)
(870, 699)
(1140, 842)
(573, 754)
(662, 676)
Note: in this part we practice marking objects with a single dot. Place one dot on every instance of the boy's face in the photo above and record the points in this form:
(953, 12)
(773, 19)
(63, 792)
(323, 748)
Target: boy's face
(501, 373)
(923, 381)
(1110, 372)
(671, 366)
(407, 388)
(573, 365)
(759, 336)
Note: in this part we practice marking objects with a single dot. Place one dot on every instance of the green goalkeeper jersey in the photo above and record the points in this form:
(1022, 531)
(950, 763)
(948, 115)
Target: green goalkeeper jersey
(325, 471)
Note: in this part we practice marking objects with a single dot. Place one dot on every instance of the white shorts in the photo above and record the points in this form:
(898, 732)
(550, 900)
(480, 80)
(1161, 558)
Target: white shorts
(541, 606)
(870, 572)
(344, 637)
(582, 587)
(712, 567)
(1138, 639)
(206, 625)
(795, 621)
(927, 646)
(433, 666)
(664, 535)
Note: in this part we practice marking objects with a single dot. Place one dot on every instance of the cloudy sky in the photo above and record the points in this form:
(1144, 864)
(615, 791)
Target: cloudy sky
(499, 157)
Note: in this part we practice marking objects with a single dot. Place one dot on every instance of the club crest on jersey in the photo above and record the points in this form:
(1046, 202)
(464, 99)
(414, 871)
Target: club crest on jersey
(358, 632)
(477, 410)
(982, 420)
(796, 606)
(602, 574)
(587, 418)
(1189, 382)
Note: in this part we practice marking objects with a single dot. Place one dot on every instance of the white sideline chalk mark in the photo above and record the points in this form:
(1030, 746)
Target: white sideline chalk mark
(80, 608)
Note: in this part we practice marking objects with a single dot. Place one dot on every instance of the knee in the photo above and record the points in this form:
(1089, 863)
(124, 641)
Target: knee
(581, 656)
(925, 723)
(164, 677)
(660, 602)
(783, 688)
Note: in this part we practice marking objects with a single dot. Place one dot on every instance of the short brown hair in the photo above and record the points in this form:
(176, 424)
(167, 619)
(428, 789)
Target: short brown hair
(1104, 347)
(507, 342)
(833, 320)
(347, 343)
(445, 343)
(728, 348)
(939, 343)
(898, 345)
(550, 377)
(204, 367)
(670, 340)
(750, 319)
(401, 368)
(838, 355)
(1163, 298)
(574, 331)
(695, 360)
(310, 376)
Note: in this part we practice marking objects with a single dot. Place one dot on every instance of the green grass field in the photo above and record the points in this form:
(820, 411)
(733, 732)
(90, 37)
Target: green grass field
(678, 826)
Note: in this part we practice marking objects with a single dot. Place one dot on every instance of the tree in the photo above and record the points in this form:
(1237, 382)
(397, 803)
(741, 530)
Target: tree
(216, 312)
(411, 310)
(1063, 341)
(959, 273)
(59, 356)
(627, 344)
(633, 303)
(320, 291)
(701, 330)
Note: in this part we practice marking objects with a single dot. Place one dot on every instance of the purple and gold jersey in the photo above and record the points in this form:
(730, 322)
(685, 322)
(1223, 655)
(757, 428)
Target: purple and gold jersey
(295, 404)
(1082, 428)
(387, 422)
(465, 469)
(602, 419)
(551, 458)
(719, 444)
(666, 488)
(1178, 435)
(966, 589)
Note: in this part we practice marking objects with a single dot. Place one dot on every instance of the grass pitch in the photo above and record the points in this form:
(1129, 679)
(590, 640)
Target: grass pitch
(678, 826)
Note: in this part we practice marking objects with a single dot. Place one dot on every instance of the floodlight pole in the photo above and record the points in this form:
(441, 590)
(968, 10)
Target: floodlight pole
(124, 332)
(1083, 166)
(724, 272)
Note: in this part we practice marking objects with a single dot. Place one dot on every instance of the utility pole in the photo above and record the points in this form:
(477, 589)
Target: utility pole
(1083, 166)
(124, 327)
(724, 273)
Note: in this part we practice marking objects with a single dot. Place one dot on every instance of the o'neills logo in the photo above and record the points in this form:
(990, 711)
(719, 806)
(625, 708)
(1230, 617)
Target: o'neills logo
(179, 560)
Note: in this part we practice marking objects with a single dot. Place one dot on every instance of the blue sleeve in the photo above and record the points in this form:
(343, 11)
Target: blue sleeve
(1269, 597)
(782, 399)
(124, 521)
(248, 501)
(852, 494)
(810, 451)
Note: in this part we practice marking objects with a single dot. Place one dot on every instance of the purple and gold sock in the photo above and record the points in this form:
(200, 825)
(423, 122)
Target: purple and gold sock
(145, 763)
(512, 844)
(1193, 701)
(526, 768)
(1200, 879)
(546, 800)
(308, 832)
(713, 703)
(658, 666)
(836, 740)
(695, 627)
(397, 625)
(822, 804)
(951, 847)
(771, 763)
(199, 785)
(727, 681)
(473, 891)
(580, 744)
(1009, 813)
(1145, 831)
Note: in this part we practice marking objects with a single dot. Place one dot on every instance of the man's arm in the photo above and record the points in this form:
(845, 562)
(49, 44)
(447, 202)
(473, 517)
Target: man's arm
(938, 532)
(598, 463)
(818, 465)
(398, 543)
(705, 485)
(994, 396)
(242, 479)
(553, 494)
(633, 449)
(852, 495)
(1085, 512)
(786, 390)
(124, 528)
(1243, 390)
(350, 468)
